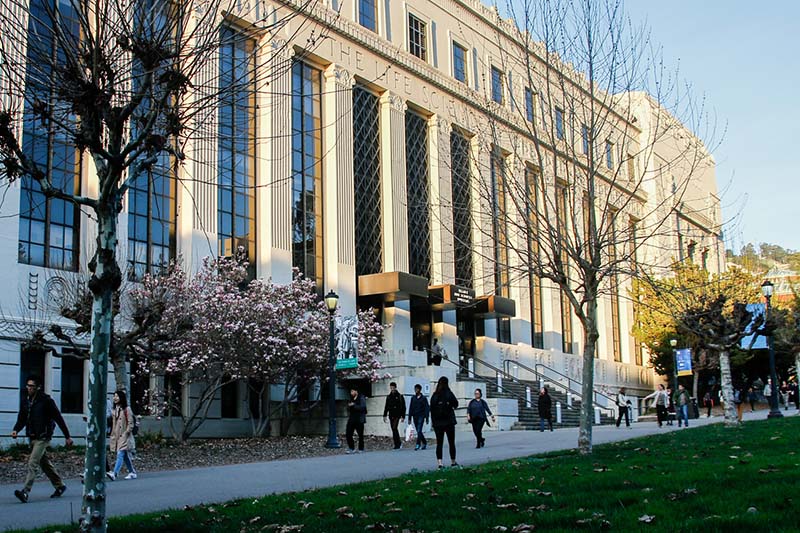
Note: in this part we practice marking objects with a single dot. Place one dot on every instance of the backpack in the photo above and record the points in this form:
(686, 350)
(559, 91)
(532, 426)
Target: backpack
(135, 430)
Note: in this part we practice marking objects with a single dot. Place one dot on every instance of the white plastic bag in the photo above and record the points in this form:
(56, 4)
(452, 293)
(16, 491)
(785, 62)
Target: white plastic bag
(411, 433)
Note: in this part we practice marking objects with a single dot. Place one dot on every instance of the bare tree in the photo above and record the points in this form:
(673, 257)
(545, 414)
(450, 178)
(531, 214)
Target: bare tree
(590, 154)
(125, 83)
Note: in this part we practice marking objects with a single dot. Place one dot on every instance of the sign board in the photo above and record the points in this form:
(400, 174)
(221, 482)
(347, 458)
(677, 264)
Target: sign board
(462, 296)
(683, 359)
(346, 335)
(754, 340)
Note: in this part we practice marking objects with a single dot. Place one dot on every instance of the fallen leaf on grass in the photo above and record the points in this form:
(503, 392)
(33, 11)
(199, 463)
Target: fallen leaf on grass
(511, 506)
(523, 528)
(468, 508)
(426, 482)
(342, 493)
(371, 498)
(647, 518)
(254, 520)
(499, 528)
(394, 510)
(342, 510)
(305, 504)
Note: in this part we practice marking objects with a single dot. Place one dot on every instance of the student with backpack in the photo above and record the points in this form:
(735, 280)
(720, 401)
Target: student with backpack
(122, 441)
(443, 419)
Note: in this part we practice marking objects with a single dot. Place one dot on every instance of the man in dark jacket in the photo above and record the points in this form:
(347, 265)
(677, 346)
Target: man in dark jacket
(418, 413)
(39, 415)
(357, 408)
(395, 409)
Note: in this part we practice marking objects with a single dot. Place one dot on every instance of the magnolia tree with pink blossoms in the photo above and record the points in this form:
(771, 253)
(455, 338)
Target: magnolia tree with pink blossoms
(217, 328)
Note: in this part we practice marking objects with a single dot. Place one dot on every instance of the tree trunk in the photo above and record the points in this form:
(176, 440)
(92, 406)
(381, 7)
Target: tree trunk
(797, 366)
(121, 376)
(103, 282)
(695, 382)
(731, 419)
(590, 336)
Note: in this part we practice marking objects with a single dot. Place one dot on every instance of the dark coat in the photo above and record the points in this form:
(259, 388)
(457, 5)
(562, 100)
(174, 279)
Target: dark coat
(39, 416)
(419, 407)
(545, 404)
(443, 408)
(478, 409)
(358, 411)
(395, 406)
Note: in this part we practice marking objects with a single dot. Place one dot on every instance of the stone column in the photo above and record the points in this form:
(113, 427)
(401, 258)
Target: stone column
(277, 196)
(337, 177)
(443, 256)
(393, 183)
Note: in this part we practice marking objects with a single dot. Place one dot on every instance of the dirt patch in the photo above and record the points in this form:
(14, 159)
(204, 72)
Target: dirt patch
(168, 455)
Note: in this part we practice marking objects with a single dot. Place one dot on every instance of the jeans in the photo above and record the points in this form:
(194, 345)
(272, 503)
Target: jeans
(661, 414)
(358, 427)
(393, 422)
(477, 428)
(450, 431)
(549, 423)
(683, 414)
(623, 411)
(38, 458)
(124, 455)
(419, 422)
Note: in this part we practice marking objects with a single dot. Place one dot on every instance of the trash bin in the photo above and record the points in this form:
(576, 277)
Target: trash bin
(694, 411)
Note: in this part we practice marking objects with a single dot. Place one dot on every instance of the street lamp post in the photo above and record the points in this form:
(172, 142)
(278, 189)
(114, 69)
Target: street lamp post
(774, 411)
(331, 301)
(674, 344)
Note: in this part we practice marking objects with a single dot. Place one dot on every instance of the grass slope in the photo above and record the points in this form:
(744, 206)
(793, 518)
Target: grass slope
(703, 479)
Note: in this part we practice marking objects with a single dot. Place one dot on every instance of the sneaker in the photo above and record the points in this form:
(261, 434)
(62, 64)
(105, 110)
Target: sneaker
(21, 495)
(440, 466)
(59, 491)
(348, 452)
(111, 475)
(477, 445)
(132, 475)
(416, 447)
(455, 465)
(424, 446)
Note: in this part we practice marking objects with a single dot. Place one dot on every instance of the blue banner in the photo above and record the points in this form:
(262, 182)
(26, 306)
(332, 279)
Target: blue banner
(683, 359)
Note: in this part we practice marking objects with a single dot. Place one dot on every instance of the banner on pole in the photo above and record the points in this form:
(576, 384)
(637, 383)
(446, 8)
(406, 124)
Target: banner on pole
(346, 342)
(683, 358)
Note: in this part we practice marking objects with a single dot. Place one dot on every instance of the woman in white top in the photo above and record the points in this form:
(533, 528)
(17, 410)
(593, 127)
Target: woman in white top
(661, 401)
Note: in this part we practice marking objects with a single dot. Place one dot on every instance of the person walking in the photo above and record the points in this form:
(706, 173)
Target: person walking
(682, 400)
(395, 409)
(443, 417)
(477, 409)
(436, 353)
(357, 417)
(670, 406)
(661, 401)
(794, 396)
(752, 397)
(121, 441)
(544, 407)
(785, 395)
(418, 413)
(39, 415)
(708, 402)
(739, 393)
(622, 407)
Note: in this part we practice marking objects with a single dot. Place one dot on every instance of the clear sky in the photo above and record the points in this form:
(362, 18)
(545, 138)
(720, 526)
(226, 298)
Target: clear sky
(745, 58)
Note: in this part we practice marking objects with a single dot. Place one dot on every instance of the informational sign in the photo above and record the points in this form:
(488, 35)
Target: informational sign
(755, 340)
(346, 336)
(683, 359)
(462, 296)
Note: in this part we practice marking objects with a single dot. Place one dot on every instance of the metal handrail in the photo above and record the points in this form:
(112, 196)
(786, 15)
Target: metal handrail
(541, 376)
(485, 379)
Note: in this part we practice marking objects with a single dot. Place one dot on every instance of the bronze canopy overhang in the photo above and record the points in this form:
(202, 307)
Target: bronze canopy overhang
(393, 286)
(449, 297)
(493, 306)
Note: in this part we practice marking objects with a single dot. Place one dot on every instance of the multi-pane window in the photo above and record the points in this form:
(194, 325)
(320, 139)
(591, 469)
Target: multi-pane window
(48, 227)
(560, 134)
(460, 62)
(417, 37)
(637, 346)
(419, 239)
(367, 14)
(151, 209)
(535, 283)
(566, 306)
(609, 155)
(236, 208)
(462, 208)
(307, 171)
(529, 104)
(616, 334)
(585, 139)
(367, 181)
(497, 85)
(500, 237)
(631, 167)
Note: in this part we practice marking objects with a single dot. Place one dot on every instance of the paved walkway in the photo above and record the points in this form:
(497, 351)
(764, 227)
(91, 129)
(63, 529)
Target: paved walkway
(173, 489)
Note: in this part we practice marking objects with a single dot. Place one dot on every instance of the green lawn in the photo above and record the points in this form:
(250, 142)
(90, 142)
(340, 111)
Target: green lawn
(703, 479)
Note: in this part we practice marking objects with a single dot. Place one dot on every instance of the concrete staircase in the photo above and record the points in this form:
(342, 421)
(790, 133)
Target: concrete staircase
(529, 416)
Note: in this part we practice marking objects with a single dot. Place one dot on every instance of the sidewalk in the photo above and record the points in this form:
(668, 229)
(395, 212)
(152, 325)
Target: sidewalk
(173, 489)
